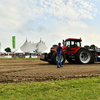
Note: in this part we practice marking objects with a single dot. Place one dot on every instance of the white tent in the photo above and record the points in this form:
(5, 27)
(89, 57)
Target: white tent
(41, 46)
(2, 50)
(46, 51)
(18, 51)
(28, 47)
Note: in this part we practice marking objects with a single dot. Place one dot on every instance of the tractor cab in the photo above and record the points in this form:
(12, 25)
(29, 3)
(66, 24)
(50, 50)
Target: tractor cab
(72, 45)
(72, 42)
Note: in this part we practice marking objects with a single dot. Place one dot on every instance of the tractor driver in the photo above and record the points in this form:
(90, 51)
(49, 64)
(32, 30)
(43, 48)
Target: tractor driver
(75, 45)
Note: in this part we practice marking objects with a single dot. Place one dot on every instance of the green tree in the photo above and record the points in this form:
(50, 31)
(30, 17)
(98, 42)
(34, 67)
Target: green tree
(54, 45)
(86, 46)
(93, 46)
(8, 49)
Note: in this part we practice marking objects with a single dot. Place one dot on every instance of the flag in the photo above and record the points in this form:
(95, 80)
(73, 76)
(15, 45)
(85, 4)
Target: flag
(13, 42)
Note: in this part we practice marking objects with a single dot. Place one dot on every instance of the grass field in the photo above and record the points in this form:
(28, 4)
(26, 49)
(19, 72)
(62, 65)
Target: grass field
(75, 89)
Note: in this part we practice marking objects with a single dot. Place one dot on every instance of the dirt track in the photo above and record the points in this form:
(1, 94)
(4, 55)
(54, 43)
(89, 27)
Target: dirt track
(35, 70)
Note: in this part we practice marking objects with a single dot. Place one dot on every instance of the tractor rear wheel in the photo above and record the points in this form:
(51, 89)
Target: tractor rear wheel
(54, 58)
(83, 56)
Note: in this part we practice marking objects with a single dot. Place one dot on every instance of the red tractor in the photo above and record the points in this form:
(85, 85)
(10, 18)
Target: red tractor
(72, 52)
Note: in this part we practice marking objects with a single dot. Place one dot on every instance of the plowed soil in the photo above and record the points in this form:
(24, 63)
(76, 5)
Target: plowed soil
(18, 70)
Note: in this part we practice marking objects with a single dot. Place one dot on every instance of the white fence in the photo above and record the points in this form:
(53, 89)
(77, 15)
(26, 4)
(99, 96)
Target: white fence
(5, 56)
(15, 57)
(31, 56)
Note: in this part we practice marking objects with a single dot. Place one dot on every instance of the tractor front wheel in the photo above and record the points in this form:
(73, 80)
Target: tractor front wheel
(54, 58)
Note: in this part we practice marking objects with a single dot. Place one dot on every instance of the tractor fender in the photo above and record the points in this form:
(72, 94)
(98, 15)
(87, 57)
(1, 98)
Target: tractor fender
(77, 50)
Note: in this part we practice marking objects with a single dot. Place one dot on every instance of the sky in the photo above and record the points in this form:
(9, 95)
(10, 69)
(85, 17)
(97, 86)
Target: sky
(51, 20)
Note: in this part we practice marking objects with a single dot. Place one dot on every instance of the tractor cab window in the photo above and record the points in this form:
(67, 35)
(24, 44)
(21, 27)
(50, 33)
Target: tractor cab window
(77, 43)
(74, 44)
(67, 43)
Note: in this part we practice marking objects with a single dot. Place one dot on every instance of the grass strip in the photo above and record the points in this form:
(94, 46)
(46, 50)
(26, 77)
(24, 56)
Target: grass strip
(20, 61)
(75, 89)
(13, 60)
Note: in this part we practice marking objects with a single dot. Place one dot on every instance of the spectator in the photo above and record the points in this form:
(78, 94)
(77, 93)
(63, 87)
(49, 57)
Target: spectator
(59, 50)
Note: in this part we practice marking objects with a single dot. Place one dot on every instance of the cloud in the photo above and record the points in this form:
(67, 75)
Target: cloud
(52, 20)
(10, 15)
(13, 14)
(72, 9)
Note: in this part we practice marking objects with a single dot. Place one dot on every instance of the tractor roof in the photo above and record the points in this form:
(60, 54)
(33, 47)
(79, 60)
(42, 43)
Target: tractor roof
(73, 39)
